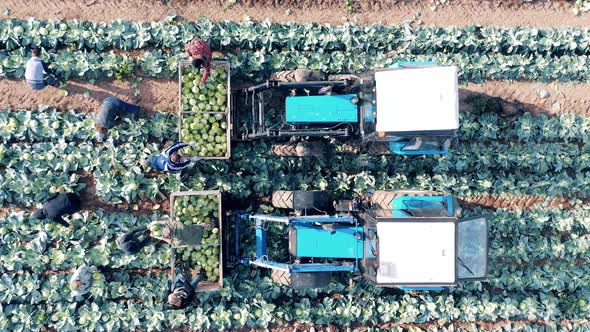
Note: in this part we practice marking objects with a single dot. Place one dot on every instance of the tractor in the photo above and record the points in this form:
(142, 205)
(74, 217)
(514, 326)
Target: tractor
(410, 108)
(412, 240)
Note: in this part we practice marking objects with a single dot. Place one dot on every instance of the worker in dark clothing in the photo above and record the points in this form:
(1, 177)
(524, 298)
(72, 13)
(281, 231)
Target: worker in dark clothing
(111, 109)
(131, 242)
(58, 205)
(36, 70)
(170, 161)
(180, 293)
(200, 53)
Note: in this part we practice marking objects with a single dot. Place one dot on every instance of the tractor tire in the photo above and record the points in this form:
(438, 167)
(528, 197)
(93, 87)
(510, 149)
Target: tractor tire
(383, 199)
(282, 199)
(299, 149)
(342, 77)
(306, 280)
(297, 75)
(281, 277)
(301, 200)
(380, 149)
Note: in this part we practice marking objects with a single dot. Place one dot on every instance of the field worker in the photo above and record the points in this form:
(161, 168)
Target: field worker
(57, 206)
(177, 233)
(35, 71)
(170, 160)
(81, 282)
(131, 242)
(200, 52)
(179, 293)
(111, 109)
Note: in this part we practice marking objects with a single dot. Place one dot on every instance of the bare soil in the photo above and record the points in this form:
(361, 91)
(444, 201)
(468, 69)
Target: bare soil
(153, 94)
(162, 95)
(534, 97)
(541, 13)
(525, 202)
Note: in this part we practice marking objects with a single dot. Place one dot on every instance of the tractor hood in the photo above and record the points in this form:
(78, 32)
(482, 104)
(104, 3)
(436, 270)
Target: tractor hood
(417, 99)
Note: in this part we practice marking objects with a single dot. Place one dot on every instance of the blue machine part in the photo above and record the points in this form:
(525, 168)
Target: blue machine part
(398, 148)
(321, 109)
(413, 64)
(404, 288)
(402, 204)
(314, 241)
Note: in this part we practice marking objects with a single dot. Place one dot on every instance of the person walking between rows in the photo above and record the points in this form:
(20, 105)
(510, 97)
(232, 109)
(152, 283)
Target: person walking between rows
(200, 52)
(57, 206)
(170, 160)
(111, 110)
(36, 70)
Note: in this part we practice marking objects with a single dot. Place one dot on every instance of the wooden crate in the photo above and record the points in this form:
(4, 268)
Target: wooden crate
(204, 286)
(187, 63)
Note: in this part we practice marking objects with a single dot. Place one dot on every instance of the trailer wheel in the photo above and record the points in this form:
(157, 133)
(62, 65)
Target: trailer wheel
(383, 199)
(305, 280)
(297, 75)
(299, 149)
(301, 200)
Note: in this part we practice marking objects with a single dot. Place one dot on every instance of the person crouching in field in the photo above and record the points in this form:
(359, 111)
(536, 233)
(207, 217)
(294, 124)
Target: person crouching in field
(132, 242)
(179, 292)
(170, 160)
(57, 206)
(36, 70)
(200, 52)
(112, 109)
(81, 282)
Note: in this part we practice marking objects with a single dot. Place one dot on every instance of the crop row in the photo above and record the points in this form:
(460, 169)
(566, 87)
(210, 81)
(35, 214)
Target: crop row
(15, 33)
(51, 125)
(38, 246)
(473, 67)
(251, 308)
(30, 172)
(41, 245)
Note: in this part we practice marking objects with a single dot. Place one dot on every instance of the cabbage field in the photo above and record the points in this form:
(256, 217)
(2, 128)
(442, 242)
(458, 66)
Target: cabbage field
(529, 172)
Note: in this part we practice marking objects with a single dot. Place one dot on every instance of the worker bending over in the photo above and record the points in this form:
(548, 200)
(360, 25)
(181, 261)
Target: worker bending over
(111, 110)
(170, 160)
(200, 52)
(179, 293)
(132, 242)
(57, 206)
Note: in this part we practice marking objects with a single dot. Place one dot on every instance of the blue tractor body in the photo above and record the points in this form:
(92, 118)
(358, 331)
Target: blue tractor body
(321, 109)
(307, 240)
(411, 206)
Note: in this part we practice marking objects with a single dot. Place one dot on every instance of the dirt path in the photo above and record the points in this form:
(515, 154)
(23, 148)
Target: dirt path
(162, 95)
(154, 94)
(541, 13)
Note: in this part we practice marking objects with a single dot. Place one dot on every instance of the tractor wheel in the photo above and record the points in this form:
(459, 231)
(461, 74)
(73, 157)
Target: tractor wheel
(281, 277)
(301, 200)
(342, 77)
(379, 149)
(383, 199)
(299, 149)
(306, 280)
(297, 75)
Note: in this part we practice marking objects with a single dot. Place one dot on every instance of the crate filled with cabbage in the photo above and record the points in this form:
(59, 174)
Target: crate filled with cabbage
(205, 110)
(201, 208)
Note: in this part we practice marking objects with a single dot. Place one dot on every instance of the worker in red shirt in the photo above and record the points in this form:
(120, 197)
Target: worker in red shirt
(201, 54)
